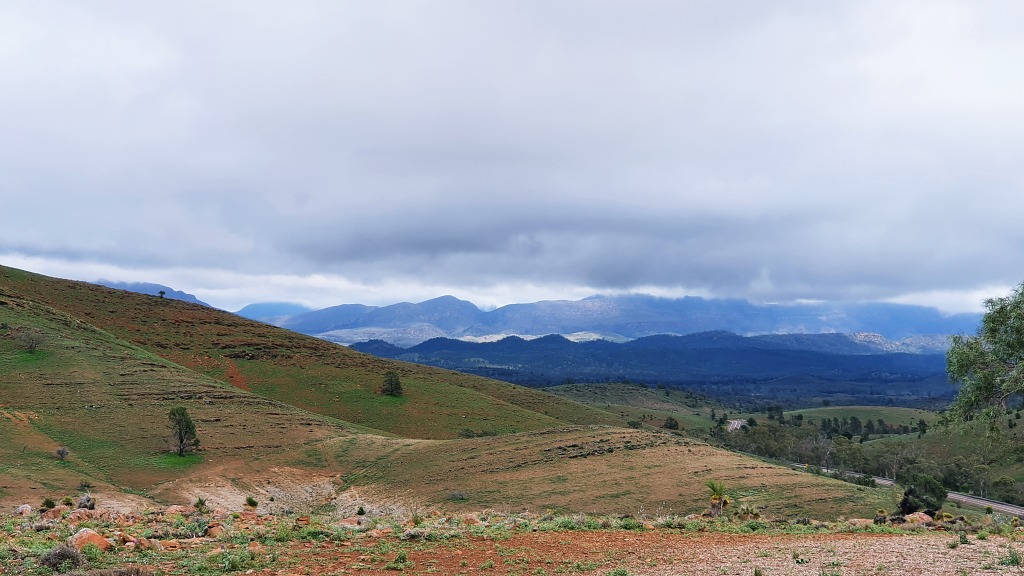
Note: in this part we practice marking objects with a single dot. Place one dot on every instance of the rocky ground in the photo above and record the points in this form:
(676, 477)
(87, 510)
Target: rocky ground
(190, 541)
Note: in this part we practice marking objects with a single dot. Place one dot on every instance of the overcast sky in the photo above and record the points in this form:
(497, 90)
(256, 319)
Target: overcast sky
(510, 151)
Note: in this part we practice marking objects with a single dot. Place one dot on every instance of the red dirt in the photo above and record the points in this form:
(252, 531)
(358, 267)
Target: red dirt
(656, 553)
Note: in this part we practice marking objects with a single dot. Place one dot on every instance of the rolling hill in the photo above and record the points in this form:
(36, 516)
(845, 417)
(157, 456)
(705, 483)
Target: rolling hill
(793, 369)
(286, 415)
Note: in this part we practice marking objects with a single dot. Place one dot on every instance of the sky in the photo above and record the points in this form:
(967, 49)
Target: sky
(328, 152)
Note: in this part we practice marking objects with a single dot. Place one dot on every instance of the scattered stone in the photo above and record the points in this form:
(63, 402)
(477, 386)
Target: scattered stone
(89, 536)
(861, 522)
(54, 513)
(87, 502)
(214, 530)
(256, 548)
(351, 522)
(24, 510)
(176, 509)
(169, 545)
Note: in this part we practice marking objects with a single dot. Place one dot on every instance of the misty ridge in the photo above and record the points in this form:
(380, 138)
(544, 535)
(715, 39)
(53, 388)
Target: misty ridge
(617, 318)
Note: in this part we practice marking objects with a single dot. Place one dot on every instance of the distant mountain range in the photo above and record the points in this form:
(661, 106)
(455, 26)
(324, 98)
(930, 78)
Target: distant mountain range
(613, 318)
(152, 290)
(788, 368)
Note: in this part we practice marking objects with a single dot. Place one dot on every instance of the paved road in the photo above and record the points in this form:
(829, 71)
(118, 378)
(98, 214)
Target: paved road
(958, 497)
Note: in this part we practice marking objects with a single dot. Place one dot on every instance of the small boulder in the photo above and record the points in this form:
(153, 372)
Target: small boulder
(176, 509)
(54, 513)
(87, 502)
(89, 536)
(918, 518)
(861, 522)
(24, 510)
(214, 531)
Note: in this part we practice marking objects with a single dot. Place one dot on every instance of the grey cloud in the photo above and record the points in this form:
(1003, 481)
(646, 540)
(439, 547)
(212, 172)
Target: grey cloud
(770, 150)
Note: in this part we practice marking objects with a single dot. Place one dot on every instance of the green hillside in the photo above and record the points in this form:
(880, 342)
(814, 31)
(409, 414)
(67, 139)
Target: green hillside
(302, 371)
(295, 421)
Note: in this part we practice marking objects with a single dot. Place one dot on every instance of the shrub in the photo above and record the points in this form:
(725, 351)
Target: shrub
(392, 385)
(361, 511)
(62, 559)
(48, 503)
(31, 339)
(201, 504)
(62, 453)
(67, 501)
(1012, 558)
(251, 502)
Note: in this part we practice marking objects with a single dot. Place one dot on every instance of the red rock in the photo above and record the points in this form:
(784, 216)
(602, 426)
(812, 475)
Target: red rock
(918, 518)
(302, 521)
(214, 531)
(183, 510)
(170, 545)
(256, 548)
(54, 513)
(89, 536)
(147, 544)
(352, 521)
(860, 522)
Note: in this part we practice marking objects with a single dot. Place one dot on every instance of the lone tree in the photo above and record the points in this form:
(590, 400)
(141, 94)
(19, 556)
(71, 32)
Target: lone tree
(392, 385)
(31, 339)
(183, 431)
(670, 424)
(989, 366)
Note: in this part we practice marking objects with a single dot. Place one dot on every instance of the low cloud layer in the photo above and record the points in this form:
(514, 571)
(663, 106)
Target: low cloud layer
(331, 152)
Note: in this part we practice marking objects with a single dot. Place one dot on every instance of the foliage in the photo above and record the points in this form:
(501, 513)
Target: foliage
(31, 339)
(183, 431)
(62, 559)
(990, 365)
(392, 385)
(671, 424)
(922, 493)
(719, 499)
(62, 453)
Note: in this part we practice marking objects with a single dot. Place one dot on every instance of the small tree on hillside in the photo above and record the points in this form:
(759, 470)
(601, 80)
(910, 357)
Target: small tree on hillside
(392, 385)
(31, 339)
(670, 424)
(183, 431)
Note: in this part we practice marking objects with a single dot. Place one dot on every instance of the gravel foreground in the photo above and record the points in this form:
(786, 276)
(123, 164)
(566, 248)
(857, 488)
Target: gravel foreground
(657, 553)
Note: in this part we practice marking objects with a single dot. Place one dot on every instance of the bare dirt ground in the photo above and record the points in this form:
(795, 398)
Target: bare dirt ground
(661, 553)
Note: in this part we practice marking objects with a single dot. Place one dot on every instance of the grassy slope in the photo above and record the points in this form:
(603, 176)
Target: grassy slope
(303, 371)
(891, 414)
(595, 469)
(107, 400)
(638, 402)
